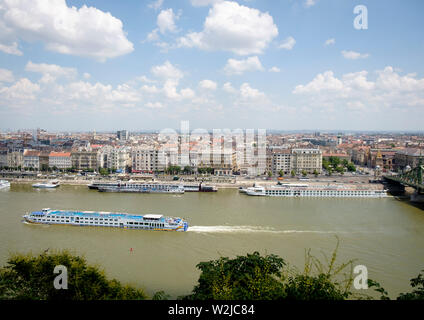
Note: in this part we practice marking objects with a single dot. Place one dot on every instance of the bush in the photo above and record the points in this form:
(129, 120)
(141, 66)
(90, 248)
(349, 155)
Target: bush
(31, 277)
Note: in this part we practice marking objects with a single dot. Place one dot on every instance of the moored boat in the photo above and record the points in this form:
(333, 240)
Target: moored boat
(4, 184)
(143, 188)
(48, 185)
(304, 190)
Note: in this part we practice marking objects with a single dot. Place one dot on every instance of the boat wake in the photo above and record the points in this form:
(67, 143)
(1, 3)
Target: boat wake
(250, 229)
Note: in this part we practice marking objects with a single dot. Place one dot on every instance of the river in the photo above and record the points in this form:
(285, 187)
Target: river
(385, 235)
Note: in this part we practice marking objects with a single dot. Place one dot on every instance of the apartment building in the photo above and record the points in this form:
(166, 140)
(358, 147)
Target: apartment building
(148, 159)
(281, 161)
(114, 158)
(31, 159)
(309, 160)
(408, 157)
(60, 160)
(84, 159)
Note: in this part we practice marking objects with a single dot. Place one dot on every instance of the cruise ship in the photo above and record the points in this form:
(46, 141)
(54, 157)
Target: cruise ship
(154, 222)
(4, 184)
(143, 188)
(322, 191)
(187, 187)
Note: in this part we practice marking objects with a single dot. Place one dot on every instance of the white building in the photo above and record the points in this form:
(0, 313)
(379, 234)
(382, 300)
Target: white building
(31, 159)
(114, 158)
(148, 159)
(60, 160)
(309, 160)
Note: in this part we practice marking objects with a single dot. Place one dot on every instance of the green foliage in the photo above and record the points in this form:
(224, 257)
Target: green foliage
(205, 170)
(173, 170)
(281, 173)
(245, 277)
(188, 170)
(304, 173)
(293, 173)
(336, 164)
(103, 171)
(269, 278)
(31, 277)
(377, 287)
(418, 292)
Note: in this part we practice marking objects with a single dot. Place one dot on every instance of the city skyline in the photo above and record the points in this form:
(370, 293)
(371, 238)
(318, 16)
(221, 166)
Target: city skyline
(297, 65)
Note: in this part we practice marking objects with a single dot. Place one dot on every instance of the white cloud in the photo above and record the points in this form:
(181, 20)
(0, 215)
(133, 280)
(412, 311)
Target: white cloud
(356, 92)
(352, 55)
(23, 89)
(166, 21)
(11, 49)
(330, 41)
(156, 4)
(208, 85)
(153, 36)
(310, 3)
(87, 31)
(228, 87)
(6, 75)
(249, 93)
(233, 27)
(86, 75)
(150, 89)
(288, 44)
(203, 3)
(323, 81)
(154, 105)
(51, 69)
(167, 71)
(238, 67)
(274, 69)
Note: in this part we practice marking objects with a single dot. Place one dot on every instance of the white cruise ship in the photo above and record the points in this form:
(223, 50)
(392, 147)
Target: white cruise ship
(143, 188)
(155, 222)
(4, 184)
(322, 191)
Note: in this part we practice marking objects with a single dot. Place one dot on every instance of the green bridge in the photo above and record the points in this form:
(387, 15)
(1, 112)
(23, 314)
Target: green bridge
(412, 178)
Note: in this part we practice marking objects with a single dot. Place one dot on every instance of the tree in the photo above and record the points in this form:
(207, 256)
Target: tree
(304, 173)
(281, 173)
(268, 277)
(293, 173)
(245, 277)
(32, 277)
(418, 292)
(316, 173)
(351, 167)
(188, 170)
(269, 174)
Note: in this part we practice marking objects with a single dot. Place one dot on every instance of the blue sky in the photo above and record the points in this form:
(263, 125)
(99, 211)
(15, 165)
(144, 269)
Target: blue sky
(274, 64)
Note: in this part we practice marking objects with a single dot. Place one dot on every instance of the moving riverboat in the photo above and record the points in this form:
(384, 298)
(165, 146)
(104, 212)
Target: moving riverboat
(156, 222)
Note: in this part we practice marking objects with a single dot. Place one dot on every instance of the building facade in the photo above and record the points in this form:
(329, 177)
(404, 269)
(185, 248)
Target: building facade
(309, 160)
(31, 159)
(60, 160)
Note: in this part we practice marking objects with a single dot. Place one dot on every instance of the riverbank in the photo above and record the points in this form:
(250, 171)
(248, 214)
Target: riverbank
(235, 183)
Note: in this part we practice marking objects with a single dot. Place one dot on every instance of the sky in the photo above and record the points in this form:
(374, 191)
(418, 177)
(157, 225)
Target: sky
(272, 64)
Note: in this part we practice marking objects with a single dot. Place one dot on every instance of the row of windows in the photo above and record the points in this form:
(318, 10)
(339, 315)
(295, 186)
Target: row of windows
(320, 192)
(100, 219)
